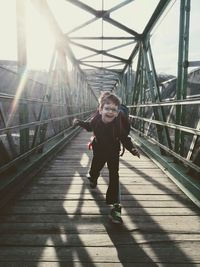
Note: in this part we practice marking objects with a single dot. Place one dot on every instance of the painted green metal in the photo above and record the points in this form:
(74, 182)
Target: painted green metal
(185, 69)
(158, 96)
(182, 68)
(170, 125)
(136, 87)
(53, 140)
(179, 174)
(195, 101)
(152, 85)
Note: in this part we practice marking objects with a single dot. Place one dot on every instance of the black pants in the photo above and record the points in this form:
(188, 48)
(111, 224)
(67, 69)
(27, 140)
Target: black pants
(98, 161)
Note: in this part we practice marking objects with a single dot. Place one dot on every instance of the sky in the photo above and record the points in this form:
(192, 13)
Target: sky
(40, 40)
(165, 38)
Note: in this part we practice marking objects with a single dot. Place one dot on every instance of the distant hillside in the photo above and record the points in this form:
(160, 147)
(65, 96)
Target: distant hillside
(163, 77)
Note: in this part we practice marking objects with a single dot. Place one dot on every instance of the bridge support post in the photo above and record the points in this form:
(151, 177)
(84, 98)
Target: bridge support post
(181, 86)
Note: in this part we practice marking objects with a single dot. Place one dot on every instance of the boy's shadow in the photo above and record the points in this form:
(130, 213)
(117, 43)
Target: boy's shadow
(127, 248)
(122, 238)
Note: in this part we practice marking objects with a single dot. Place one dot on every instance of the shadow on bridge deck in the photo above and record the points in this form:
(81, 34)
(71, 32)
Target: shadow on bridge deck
(59, 221)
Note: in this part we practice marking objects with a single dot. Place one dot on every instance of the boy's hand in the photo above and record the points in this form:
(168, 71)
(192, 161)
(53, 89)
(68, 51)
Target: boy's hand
(135, 152)
(76, 122)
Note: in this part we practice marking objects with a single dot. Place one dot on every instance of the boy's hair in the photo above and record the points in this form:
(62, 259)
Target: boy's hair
(108, 97)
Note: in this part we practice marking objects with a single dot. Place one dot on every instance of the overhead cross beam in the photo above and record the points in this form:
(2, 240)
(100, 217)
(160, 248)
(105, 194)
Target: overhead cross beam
(105, 15)
(103, 52)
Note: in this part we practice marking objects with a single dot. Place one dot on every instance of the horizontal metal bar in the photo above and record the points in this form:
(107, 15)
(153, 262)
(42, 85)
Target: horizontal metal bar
(175, 103)
(102, 38)
(99, 68)
(174, 154)
(170, 125)
(178, 174)
(98, 52)
(100, 61)
(34, 100)
(31, 151)
(37, 123)
(194, 63)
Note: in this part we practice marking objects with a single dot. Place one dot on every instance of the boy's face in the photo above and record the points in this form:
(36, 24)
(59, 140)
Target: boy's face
(109, 112)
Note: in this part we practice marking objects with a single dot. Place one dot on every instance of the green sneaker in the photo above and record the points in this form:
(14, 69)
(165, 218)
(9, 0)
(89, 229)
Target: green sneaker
(115, 214)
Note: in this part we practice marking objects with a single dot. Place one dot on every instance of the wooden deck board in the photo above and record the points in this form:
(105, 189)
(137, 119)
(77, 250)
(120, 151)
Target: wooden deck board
(126, 253)
(59, 221)
(102, 240)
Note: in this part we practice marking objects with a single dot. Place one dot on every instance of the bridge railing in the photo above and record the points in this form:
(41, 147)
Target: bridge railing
(155, 126)
(192, 132)
(36, 118)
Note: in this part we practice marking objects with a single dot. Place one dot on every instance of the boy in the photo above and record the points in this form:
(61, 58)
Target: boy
(108, 133)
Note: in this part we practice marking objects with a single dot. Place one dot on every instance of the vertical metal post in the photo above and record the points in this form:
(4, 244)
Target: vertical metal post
(141, 101)
(155, 97)
(182, 65)
(137, 77)
(137, 84)
(22, 64)
(185, 69)
(158, 97)
(128, 88)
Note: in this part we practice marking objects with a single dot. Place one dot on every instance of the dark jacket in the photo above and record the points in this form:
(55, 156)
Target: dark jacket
(107, 136)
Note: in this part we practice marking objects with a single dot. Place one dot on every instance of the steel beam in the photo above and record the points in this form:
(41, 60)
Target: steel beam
(161, 7)
(182, 69)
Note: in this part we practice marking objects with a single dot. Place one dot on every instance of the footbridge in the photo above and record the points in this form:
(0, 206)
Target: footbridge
(147, 53)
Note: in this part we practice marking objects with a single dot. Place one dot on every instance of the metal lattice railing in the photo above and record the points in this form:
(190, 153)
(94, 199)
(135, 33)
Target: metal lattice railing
(49, 109)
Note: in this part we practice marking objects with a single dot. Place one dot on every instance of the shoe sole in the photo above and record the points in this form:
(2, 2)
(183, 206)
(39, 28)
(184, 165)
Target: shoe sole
(115, 221)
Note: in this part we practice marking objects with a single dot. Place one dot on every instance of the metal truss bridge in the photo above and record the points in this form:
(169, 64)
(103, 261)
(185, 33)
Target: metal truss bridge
(101, 46)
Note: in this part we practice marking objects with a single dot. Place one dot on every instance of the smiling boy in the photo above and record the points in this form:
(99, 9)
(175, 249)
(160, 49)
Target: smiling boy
(108, 133)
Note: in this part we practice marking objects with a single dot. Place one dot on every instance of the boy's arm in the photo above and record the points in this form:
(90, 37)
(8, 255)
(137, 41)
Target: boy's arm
(84, 124)
(128, 144)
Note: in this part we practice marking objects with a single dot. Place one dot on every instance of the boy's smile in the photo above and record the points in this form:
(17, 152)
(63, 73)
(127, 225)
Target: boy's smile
(109, 112)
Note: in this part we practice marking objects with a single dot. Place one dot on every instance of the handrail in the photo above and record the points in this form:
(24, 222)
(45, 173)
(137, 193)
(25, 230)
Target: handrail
(25, 100)
(174, 154)
(31, 151)
(38, 123)
(170, 125)
(175, 103)
(39, 101)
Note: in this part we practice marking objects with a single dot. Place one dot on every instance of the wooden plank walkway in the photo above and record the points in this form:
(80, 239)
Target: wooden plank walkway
(59, 221)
